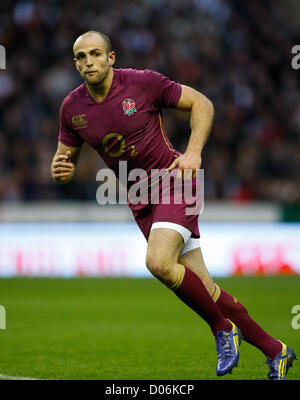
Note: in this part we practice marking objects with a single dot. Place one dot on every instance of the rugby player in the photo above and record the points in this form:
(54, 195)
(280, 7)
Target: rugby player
(118, 112)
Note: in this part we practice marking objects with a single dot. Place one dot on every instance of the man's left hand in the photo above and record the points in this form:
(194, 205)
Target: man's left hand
(188, 165)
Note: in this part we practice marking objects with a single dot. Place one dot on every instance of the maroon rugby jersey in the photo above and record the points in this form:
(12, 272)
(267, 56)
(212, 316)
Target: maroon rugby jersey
(127, 124)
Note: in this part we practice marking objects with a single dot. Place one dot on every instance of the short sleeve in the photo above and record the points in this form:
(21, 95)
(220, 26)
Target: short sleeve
(163, 92)
(67, 135)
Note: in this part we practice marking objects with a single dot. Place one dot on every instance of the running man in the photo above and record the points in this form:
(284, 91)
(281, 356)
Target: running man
(118, 112)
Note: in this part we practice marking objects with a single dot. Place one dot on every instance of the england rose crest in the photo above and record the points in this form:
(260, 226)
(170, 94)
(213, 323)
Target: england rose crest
(128, 107)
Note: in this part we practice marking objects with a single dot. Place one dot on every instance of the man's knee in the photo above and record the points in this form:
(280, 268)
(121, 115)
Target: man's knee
(161, 267)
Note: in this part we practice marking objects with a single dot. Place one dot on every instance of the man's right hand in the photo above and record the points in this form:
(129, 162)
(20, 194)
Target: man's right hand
(63, 169)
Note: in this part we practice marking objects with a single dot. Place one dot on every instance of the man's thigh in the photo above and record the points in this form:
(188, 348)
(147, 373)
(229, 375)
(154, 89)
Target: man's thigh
(164, 245)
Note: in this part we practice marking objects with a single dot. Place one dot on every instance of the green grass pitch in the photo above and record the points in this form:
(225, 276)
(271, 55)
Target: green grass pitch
(92, 328)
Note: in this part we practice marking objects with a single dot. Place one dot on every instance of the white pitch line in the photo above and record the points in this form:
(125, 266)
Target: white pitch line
(18, 378)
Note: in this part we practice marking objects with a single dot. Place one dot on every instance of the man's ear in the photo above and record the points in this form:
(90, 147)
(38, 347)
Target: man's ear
(111, 58)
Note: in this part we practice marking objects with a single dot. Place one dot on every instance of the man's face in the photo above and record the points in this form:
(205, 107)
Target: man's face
(91, 58)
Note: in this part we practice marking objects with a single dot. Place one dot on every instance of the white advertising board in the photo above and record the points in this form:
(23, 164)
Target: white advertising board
(119, 249)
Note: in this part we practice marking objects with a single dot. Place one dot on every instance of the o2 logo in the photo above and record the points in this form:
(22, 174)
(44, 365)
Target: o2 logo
(296, 318)
(296, 58)
(120, 142)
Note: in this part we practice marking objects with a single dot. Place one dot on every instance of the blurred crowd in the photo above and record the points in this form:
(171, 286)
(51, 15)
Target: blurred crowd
(238, 53)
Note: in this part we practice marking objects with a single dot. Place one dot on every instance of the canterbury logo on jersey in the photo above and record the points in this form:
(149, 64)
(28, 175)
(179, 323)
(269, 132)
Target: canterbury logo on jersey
(79, 121)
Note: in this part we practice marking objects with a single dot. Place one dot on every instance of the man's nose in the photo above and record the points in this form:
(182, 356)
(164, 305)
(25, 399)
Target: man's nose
(89, 61)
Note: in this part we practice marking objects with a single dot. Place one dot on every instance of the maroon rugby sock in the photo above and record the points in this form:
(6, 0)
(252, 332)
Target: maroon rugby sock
(234, 310)
(200, 300)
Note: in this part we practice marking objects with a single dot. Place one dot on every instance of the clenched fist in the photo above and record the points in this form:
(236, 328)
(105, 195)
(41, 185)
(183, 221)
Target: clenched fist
(63, 168)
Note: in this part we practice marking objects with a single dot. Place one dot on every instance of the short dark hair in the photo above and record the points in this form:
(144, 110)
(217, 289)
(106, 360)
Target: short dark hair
(104, 37)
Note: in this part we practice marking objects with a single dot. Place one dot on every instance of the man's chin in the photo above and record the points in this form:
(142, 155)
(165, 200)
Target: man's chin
(93, 80)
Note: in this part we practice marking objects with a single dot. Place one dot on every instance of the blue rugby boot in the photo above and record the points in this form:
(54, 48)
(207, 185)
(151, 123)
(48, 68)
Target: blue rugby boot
(280, 365)
(228, 349)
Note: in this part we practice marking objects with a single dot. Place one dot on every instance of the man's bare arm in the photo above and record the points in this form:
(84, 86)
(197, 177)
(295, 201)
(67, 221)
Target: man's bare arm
(64, 163)
(201, 117)
(202, 112)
